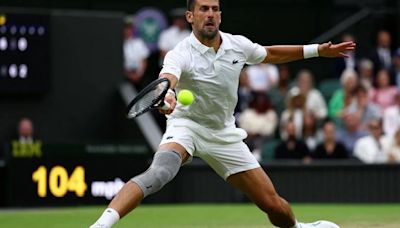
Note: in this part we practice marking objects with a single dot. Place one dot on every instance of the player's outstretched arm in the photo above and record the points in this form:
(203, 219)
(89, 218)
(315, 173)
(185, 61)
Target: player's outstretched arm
(289, 53)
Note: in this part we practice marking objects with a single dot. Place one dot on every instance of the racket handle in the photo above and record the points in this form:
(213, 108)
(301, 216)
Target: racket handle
(165, 106)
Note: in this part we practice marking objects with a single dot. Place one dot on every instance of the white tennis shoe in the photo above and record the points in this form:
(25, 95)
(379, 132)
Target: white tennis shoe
(96, 225)
(318, 224)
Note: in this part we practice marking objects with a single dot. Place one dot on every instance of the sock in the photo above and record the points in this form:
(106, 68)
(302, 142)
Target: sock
(108, 218)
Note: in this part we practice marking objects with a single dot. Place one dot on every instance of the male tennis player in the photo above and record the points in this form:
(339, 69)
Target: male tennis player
(208, 63)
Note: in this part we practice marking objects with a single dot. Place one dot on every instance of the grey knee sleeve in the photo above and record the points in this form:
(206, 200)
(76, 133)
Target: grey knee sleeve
(162, 170)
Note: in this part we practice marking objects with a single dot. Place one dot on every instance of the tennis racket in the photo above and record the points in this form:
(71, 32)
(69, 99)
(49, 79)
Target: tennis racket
(151, 97)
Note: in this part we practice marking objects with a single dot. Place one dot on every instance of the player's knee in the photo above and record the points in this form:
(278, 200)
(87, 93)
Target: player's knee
(163, 169)
(162, 176)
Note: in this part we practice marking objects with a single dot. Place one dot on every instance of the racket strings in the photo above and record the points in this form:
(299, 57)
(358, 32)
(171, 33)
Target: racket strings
(152, 98)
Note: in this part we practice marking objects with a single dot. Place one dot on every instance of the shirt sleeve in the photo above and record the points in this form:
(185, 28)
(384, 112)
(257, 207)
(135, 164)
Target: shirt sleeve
(254, 52)
(173, 64)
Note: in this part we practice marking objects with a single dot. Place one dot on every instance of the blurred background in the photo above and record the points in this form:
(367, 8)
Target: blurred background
(69, 68)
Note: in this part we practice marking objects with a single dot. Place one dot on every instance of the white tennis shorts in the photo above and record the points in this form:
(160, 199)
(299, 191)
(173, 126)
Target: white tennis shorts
(224, 150)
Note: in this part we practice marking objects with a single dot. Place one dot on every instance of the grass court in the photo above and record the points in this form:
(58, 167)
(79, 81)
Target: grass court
(204, 215)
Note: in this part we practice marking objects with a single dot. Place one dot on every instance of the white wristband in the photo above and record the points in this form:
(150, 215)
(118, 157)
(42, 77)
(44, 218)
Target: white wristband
(171, 91)
(310, 51)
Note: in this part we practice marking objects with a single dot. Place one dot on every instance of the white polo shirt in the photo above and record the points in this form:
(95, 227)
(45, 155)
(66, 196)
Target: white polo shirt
(212, 77)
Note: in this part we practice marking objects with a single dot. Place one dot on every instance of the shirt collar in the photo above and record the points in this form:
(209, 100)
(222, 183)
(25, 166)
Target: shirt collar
(225, 45)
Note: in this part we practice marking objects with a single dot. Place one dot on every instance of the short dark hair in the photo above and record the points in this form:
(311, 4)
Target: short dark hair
(190, 4)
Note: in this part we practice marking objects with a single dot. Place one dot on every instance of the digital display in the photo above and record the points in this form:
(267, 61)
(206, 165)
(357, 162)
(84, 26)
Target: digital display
(54, 175)
(24, 53)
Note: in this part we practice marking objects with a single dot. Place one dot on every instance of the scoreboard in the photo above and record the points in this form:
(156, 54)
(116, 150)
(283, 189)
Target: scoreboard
(24, 52)
(59, 175)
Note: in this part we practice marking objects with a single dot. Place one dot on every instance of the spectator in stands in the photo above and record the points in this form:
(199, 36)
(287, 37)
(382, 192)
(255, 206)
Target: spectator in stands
(26, 145)
(296, 108)
(395, 71)
(25, 131)
(391, 117)
(262, 77)
(259, 121)
(350, 132)
(278, 94)
(330, 148)
(363, 108)
(135, 54)
(382, 55)
(384, 94)
(394, 148)
(311, 135)
(315, 102)
(291, 147)
(366, 73)
(174, 34)
(349, 63)
(373, 148)
(342, 98)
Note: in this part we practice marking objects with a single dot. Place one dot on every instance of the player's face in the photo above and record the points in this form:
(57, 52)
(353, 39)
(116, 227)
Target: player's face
(205, 18)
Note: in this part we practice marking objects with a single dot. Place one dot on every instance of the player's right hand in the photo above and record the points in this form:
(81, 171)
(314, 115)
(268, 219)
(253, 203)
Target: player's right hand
(171, 100)
(336, 50)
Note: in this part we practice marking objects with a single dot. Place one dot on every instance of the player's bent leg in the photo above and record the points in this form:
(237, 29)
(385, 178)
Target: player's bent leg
(166, 163)
(163, 169)
(258, 187)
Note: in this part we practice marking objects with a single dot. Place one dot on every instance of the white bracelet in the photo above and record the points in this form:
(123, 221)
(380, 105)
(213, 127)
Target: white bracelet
(310, 51)
(171, 91)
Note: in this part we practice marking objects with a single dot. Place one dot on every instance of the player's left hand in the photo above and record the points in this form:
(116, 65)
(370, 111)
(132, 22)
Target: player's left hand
(336, 50)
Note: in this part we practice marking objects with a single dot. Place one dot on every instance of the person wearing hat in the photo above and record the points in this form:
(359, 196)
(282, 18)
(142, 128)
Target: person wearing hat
(174, 34)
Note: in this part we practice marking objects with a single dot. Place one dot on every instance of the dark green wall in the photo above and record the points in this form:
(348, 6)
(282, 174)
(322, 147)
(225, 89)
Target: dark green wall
(83, 104)
(265, 21)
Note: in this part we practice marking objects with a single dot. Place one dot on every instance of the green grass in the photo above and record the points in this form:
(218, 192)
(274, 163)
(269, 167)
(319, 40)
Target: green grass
(205, 215)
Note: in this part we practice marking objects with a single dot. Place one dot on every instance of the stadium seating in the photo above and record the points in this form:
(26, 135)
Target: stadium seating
(328, 86)
(268, 149)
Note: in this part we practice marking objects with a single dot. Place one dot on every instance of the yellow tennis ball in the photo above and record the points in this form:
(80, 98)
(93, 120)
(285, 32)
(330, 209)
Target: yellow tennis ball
(185, 97)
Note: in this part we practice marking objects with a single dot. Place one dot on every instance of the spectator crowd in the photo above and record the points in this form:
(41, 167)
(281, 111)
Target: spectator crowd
(355, 114)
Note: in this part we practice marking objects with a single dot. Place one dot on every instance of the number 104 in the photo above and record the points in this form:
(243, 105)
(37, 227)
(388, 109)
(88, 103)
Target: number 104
(59, 182)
